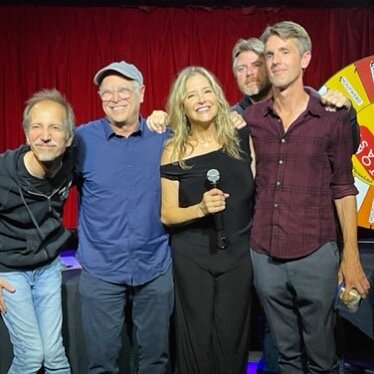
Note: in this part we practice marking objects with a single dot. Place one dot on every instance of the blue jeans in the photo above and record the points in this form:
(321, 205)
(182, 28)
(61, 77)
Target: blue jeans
(34, 320)
(103, 317)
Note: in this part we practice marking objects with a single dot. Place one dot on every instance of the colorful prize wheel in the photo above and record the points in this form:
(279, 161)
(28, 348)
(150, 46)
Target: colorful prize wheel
(357, 82)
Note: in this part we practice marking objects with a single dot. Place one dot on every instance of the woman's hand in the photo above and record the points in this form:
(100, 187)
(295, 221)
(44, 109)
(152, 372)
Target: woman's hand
(213, 201)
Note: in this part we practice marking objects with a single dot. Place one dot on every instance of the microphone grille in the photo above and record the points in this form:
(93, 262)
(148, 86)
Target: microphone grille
(213, 175)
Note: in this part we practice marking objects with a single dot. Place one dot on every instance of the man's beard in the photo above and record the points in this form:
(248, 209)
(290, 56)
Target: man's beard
(259, 92)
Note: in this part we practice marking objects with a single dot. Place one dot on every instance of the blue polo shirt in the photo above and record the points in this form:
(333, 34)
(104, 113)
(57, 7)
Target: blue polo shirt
(121, 238)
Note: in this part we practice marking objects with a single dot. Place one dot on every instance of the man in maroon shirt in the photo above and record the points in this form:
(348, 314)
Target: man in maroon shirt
(303, 163)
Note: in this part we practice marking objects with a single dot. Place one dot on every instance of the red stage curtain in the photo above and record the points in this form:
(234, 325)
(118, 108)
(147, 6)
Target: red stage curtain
(63, 47)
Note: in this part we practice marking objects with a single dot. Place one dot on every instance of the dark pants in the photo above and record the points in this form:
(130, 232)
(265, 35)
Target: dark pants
(269, 361)
(103, 317)
(213, 300)
(297, 296)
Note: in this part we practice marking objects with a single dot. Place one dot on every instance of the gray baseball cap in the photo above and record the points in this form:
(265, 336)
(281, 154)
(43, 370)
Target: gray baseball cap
(123, 68)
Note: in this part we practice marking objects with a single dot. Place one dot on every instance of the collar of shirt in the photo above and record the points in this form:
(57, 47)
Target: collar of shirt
(109, 133)
(314, 107)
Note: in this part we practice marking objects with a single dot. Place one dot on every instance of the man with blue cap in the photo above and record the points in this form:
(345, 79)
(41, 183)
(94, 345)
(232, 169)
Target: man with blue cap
(123, 247)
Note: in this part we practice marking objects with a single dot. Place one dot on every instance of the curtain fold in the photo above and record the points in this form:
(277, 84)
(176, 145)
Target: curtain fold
(63, 47)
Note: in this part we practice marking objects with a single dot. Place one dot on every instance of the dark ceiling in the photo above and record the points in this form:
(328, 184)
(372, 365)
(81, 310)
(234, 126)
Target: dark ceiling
(200, 3)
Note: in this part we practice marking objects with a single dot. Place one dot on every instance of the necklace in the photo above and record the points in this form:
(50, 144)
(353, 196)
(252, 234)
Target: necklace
(204, 142)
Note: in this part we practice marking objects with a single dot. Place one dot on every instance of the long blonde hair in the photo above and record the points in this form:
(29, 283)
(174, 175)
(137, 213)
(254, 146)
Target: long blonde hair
(181, 127)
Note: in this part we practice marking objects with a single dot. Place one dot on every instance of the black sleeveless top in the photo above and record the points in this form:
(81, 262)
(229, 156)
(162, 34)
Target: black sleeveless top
(235, 179)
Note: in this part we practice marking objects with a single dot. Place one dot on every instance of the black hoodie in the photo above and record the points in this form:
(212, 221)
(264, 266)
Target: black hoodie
(31, 230)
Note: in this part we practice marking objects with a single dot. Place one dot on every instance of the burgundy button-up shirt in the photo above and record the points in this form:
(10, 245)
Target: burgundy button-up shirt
(299, 174)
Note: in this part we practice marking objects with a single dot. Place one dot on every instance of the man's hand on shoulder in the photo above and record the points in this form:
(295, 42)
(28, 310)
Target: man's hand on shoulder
(334, 99)
(158, 121)
(237, 120)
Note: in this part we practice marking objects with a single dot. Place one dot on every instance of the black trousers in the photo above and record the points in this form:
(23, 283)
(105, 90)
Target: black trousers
(212, 311)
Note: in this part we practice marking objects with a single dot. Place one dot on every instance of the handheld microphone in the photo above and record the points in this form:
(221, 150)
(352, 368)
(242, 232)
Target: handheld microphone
(222, 242)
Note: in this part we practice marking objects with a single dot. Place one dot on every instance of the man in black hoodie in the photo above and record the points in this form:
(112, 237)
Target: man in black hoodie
(34, 183)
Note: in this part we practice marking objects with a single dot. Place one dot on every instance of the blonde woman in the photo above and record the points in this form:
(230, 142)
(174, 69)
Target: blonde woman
(213, 280)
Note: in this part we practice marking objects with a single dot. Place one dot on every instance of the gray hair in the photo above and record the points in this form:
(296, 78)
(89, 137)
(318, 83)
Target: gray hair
(287, 30)
(244, 45)
(50, 95)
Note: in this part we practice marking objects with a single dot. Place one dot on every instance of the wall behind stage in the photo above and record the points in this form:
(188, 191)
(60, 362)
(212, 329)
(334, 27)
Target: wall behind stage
(63, 47)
